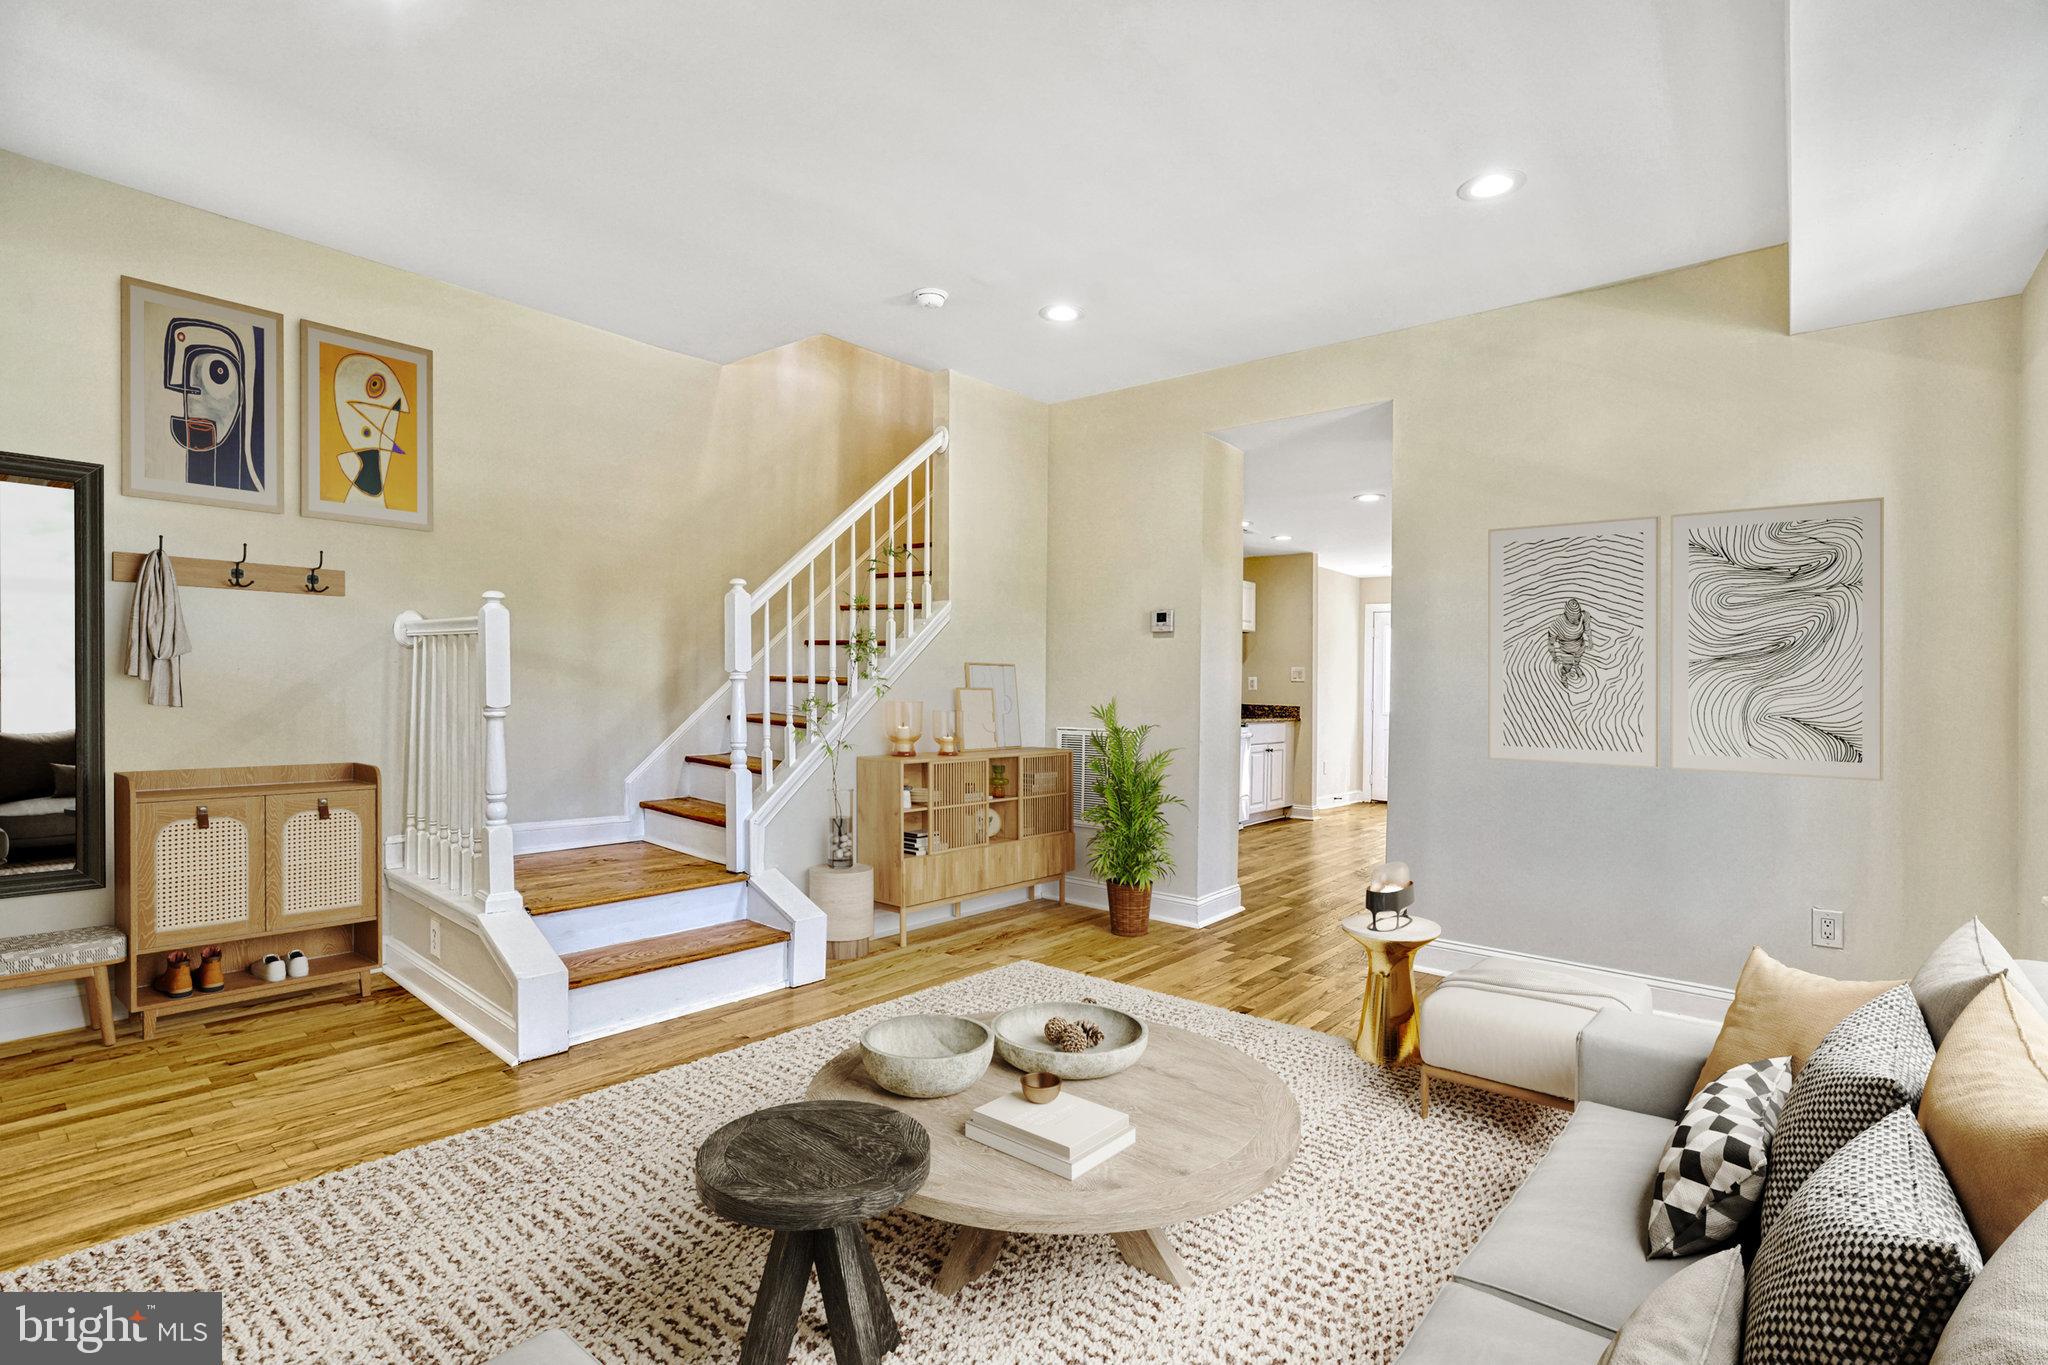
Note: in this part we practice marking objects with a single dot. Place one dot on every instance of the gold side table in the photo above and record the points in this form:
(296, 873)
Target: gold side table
(1388, 1026)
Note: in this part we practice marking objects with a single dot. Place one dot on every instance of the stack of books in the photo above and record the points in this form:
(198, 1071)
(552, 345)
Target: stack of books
(1041, 784)
(917, 842)
(923, 796)
(1069, 1136)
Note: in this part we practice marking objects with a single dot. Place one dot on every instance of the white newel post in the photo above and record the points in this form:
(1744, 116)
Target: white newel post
(494, 629)
(739, 785)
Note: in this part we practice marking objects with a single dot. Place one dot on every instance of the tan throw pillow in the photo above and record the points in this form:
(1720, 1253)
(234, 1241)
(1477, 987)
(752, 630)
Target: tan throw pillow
(1780, 1011)
(1999, 1321)
(1985, 1109)
(1693, 1318)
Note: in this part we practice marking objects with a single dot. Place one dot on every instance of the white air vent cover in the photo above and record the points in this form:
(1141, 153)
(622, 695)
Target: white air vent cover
(1080, 744)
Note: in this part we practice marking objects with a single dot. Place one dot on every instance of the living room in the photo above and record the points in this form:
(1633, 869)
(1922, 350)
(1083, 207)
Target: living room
(698, 663)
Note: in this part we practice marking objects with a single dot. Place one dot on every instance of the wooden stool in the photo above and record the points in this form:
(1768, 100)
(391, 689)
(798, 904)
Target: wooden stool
(813, 1173)
(81, 955)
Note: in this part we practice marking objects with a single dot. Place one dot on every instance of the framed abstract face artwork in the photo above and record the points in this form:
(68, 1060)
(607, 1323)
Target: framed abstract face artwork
(200, 385)
(366, 412)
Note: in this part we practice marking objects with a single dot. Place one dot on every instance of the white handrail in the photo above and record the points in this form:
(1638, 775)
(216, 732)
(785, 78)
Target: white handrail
(935, 444)
(456, 830)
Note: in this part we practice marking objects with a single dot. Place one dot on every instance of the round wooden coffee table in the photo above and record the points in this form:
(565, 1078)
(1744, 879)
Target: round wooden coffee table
(1214, 1128)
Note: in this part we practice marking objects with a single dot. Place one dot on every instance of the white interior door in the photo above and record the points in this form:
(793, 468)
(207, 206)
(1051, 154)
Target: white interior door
(1379, 701)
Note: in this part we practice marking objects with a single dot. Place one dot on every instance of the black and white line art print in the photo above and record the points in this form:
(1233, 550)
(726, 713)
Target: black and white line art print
(1775, 658)
(1574, 650)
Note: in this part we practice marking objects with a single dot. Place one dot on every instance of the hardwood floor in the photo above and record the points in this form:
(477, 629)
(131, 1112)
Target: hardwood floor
(97, 1141)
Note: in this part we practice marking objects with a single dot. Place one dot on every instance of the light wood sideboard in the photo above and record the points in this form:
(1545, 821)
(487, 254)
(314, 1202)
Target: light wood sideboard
(253, 861)
(982, 842)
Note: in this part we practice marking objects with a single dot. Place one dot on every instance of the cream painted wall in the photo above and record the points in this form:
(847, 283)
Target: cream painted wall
(1339, 686)
(2033, 616)
(1668, 395)
(609, 488)
(997, 467)
(1375, 591)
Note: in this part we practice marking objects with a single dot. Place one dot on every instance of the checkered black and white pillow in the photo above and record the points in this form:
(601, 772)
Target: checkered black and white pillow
(1873, 1062)
(1866, 1262)
(1712, 1175)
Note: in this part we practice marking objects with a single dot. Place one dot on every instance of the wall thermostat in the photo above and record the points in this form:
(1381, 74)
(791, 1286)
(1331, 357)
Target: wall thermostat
(1162, 621)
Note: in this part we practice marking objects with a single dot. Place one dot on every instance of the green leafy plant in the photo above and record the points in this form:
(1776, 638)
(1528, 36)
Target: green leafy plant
(1133, 844)
(894, 555)
(860, 599)
(864, 650)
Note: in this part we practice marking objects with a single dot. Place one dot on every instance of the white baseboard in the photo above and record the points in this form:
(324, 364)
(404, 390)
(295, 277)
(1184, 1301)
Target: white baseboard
(545, 836)
(31, 1011)
(1688, 999)
(487, 1024)
(1167, 907)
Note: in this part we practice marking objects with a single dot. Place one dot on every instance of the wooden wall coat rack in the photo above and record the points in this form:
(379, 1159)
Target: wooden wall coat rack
(240, 573)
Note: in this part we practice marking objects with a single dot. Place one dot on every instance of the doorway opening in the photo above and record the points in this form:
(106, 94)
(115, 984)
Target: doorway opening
(1315, 709)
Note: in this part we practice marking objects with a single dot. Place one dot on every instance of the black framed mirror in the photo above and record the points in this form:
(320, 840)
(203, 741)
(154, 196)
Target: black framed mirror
(52, 666)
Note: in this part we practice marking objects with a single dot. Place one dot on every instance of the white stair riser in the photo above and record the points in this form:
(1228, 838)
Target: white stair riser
(600, 926)
(693, 837)
(608, 1007)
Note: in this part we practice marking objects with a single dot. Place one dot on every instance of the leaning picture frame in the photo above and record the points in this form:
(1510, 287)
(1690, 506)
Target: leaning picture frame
(1001, 679)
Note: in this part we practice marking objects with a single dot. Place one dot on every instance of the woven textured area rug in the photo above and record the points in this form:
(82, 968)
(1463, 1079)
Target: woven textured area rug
(585, 1216)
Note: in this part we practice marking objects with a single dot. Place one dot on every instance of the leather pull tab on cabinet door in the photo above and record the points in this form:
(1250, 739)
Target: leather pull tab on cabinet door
(325, 814)
(200, 818)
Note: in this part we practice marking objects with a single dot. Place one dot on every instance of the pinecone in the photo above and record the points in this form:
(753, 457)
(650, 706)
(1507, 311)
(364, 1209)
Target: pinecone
(1071, 1035)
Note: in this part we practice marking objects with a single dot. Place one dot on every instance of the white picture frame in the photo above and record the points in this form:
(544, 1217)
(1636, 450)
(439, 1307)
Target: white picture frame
(976, 708)
(1572, 645)
(1777, 640)
(1001, 679)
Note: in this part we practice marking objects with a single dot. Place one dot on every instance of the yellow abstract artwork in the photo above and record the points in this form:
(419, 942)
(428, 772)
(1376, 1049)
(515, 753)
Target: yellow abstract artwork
(367, 413)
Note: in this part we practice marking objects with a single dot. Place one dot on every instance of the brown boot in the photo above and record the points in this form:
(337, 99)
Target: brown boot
(211, 977)
(176, 978)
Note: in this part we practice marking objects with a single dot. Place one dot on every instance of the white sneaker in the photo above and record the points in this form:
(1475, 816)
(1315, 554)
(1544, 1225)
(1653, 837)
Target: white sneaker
(270, 968)
(298, 964)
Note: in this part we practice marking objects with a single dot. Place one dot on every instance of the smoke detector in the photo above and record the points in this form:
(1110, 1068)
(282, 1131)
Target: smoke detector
(931, 298)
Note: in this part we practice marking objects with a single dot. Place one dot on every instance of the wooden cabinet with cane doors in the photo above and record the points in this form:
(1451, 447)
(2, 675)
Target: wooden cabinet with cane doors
(255, 861)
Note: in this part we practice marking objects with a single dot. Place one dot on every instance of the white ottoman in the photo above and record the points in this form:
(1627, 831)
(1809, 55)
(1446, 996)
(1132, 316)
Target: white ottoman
(1513, 1027)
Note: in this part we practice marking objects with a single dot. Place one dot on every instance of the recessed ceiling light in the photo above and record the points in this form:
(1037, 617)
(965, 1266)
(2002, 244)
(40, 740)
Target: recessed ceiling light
(1490, 185)
(931, 298)
(1283, 537)
(1368, 497)
(1060, 312)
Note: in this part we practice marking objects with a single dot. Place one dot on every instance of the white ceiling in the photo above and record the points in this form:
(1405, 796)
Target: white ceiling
(1211, 182)
(1918, 155)
(1302, 476)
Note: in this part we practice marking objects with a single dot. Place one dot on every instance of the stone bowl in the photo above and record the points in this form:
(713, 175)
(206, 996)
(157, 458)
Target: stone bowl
(924, 1056)
(1020, 1038)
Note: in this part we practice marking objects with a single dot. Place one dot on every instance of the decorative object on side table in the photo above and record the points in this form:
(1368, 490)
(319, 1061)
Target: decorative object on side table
(812, 1173)
(998, 780)
(1022, 1033)
(816, 714)
(977, 717)
(847, 896)
(1040, 1087)
(922, 1056)
(1388, 894)
(1001, 679)
(946, 733)
(1388, 1034)
(905, 720)
(1133, 844)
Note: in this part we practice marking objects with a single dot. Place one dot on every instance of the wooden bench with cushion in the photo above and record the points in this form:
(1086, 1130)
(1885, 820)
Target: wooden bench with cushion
(81, 955)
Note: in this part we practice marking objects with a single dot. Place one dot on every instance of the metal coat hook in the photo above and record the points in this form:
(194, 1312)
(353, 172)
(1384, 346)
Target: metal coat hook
(236, 578)
(313, 585)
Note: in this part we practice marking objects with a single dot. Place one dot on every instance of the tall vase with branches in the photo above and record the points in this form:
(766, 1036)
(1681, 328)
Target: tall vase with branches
(1133, 843)
(817, 715)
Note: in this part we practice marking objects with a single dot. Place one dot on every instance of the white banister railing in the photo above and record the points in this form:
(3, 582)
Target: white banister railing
(456, 830)
(811, 612)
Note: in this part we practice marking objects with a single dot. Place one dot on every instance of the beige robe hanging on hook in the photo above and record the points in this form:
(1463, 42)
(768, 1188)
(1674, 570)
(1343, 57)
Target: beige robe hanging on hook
(156, 631)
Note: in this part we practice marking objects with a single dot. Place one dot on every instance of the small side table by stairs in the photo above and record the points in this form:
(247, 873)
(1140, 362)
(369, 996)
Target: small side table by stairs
(847, 896)
(1389, 1032)
(813, 1172)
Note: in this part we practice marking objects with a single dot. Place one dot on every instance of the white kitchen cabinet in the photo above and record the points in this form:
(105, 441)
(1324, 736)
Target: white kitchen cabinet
(1266, 770)
(1251, 606)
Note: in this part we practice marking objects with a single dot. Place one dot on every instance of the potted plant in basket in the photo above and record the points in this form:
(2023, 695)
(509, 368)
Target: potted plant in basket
(1133, 845)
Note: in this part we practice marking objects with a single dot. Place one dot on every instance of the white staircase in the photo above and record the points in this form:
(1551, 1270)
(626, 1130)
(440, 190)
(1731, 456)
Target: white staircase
(677, 911)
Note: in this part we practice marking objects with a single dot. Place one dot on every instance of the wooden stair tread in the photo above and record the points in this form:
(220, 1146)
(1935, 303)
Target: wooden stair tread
(844, 643)
(777, 718)
(883, 606)
(809, 679)
(572, 878)
(722, 761)
(690, 808)
(900, 573)
(616, 960)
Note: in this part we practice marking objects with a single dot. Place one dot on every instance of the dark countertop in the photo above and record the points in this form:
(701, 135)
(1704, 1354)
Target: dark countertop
(1253, 710)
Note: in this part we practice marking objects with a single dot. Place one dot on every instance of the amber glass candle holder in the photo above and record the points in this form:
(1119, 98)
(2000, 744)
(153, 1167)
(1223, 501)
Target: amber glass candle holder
(905, 720)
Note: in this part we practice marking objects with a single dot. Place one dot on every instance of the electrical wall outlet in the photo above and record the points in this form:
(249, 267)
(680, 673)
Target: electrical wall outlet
(434, 937)
(1251, 684)
(1829, 928)
(1297, 674)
